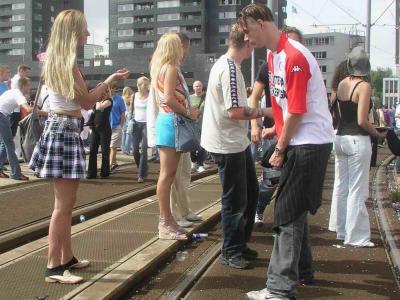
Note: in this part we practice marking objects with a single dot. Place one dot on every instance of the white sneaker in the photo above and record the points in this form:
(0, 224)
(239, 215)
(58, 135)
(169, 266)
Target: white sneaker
(65, 277)
(192, 217)
(264, 294)
(183, 223)
(200, 169)
(259, 220)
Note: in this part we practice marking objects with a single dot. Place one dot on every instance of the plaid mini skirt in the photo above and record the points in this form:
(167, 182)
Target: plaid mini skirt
(59, 153)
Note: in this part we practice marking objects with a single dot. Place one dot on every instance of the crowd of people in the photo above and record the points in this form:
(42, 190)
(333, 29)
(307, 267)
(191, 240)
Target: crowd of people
(293, 123)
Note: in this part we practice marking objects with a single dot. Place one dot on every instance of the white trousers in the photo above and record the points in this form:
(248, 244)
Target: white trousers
(350, 191)
(179, 197)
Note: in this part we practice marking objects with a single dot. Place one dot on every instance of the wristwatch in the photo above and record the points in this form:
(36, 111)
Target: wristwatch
(278, 151)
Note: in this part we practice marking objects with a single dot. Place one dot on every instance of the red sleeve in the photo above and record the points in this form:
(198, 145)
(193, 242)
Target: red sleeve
(297, 75)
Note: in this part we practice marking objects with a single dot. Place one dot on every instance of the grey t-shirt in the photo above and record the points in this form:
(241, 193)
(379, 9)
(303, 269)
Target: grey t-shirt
(226, 89)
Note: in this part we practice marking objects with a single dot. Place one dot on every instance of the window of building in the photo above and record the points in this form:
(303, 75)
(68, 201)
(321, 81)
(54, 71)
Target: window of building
(308, 42)
(18, 40)
(17, 52)
(37, 5)
(170, 3)
(144, 6)
(325, 82)
(18, 6)
(148, 45)
(321, 41)
(144, 31)
(125, 20)
(391, 86)
(396, 89)
(125, 7)
(211, 59)
(37, 17)
(51, 8)
(223, 42)
(319, 54)
(125, 32)
(18, 18)
(223, 28)
(52, 19)
(162, 30)
(18, 28)
(229, 2)
(144, 19)
(39, 28)
(195, 42)
(195, 28)
(227, 15)
(192, 17)
(125, 45)
(386, 84)
(168, 17)
(323, 68)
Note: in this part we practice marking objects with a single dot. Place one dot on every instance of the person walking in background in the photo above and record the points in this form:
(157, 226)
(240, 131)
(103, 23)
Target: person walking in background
(9, 101)
(22, 72)
(4, 78)
(180, 199)
(304, 131)
(101, 136)
(225, 136)
(172, 94)
(59, 153)
(140, 133)
(197, 100)
(127, 95)
(353, 153)
(117, 118)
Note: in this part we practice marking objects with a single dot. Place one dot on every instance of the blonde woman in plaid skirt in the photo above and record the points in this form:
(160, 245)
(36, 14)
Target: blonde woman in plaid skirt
(59, 153)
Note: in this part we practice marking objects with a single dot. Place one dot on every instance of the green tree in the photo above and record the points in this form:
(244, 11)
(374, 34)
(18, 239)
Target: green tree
(377, 81)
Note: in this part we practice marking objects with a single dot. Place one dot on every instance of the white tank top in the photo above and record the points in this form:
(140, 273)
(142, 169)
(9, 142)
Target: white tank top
(59, 102)
(140, 107)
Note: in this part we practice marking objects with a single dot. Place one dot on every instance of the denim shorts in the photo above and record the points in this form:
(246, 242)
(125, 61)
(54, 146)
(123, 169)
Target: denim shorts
(165, 130)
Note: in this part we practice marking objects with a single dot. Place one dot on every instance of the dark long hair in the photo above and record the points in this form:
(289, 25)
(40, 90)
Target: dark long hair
(340, 73)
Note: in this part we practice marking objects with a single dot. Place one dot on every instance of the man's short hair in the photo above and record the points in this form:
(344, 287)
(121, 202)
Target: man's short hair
(23, 81)
(23, 68)
(236, 37)
(4, 68)
(292, 29)
(255, 11)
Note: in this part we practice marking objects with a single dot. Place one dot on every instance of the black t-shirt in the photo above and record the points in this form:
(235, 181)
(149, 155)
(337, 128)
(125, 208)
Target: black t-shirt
(262, 77)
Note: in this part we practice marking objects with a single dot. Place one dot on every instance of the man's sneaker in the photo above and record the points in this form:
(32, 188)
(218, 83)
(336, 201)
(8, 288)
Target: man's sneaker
(237, 262)
(259, 220)
(113, 167)
(183, 223)
(74, 263)
(266, 294)
(307, 280)
(200, 169)
(62, 275)
(250, 254)
(192, 217)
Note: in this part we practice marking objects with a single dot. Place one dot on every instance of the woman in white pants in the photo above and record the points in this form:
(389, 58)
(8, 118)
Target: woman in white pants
(353, 153)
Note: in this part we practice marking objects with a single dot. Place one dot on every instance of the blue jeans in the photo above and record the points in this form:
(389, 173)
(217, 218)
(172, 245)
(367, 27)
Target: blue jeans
(7, 148)
(239, 199)
(140, 135)
(126, 144)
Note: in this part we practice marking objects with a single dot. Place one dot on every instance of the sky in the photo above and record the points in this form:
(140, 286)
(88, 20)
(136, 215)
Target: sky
(310, 16)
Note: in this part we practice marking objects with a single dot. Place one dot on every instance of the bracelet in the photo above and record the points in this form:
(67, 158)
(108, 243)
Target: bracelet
(277, 151)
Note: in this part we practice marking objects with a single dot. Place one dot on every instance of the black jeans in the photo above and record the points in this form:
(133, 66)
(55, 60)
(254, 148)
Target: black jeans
(239, 199)
(101, 135)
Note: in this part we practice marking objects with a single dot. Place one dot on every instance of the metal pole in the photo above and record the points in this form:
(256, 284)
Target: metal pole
(368, 34)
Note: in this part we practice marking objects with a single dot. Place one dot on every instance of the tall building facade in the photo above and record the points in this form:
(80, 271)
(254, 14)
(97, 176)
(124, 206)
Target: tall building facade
(330, 49)
(24, 29)
(136, 25)
(391, 91)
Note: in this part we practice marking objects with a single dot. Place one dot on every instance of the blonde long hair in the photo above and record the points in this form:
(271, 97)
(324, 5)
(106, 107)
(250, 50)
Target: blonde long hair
(61, 53)
(169, 51)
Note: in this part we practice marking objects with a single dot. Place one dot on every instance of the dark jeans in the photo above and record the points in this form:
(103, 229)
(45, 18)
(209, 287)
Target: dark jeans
(198, 156)
(239, 199)
(100, 136)
(140, 135)
(291, 258)
(374, 145)
(15, 117)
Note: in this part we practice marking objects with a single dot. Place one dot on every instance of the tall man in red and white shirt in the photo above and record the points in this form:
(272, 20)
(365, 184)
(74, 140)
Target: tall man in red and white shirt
(304, 141)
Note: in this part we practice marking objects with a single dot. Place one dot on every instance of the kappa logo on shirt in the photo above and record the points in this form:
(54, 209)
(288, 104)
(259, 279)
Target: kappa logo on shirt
(296, 69)
(233, 83)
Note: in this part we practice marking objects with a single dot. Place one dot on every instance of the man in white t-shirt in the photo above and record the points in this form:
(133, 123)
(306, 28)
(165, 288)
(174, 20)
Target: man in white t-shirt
(224, 135)
(304, 131)
(9, 101)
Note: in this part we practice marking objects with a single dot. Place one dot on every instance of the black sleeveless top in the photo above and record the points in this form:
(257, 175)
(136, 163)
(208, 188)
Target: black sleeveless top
(102, 117)
(348, 124)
